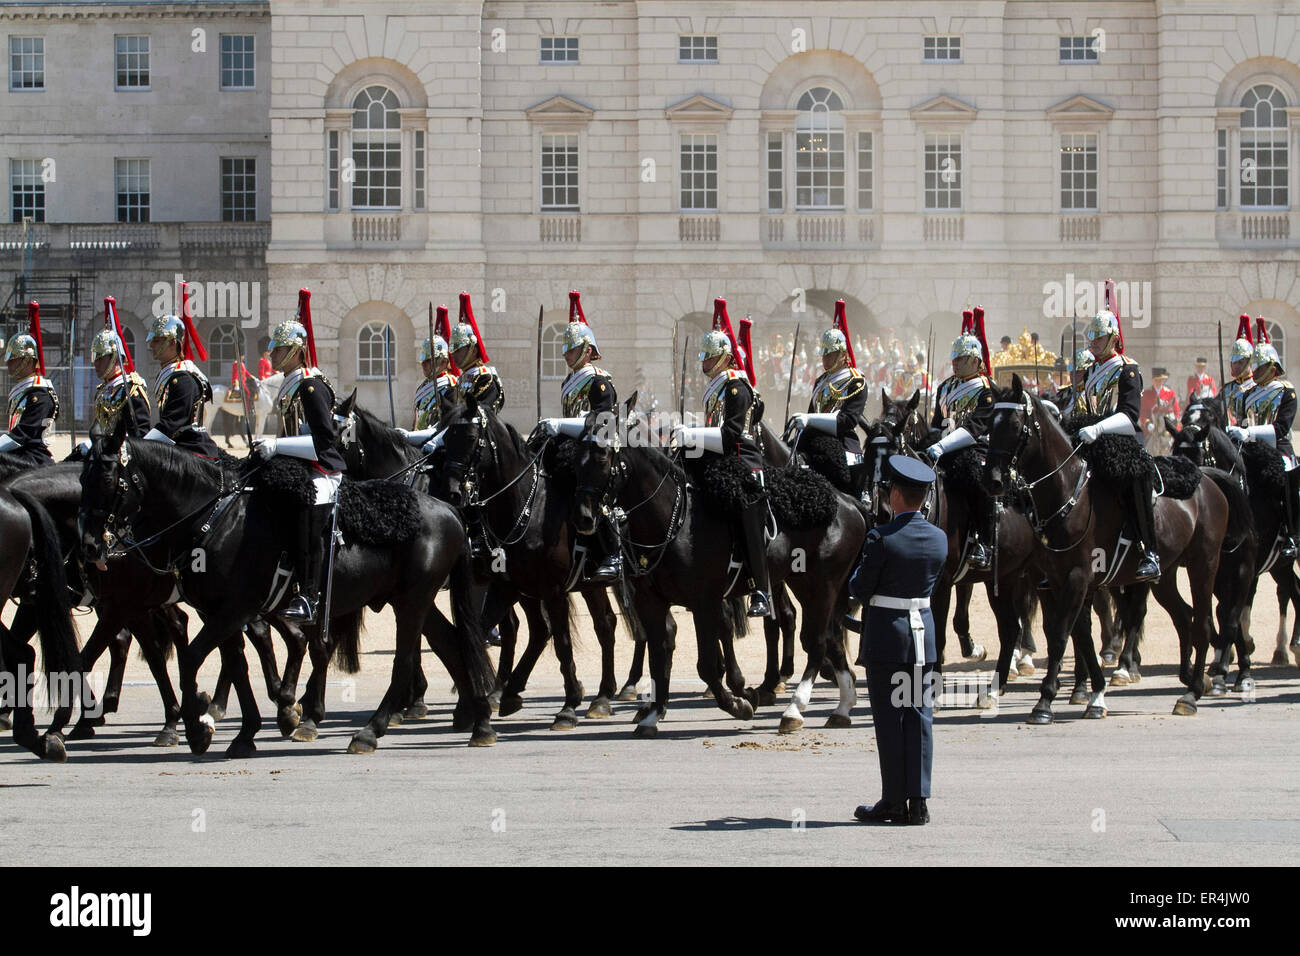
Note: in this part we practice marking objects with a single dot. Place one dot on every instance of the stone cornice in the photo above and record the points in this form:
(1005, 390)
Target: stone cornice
(166, 10)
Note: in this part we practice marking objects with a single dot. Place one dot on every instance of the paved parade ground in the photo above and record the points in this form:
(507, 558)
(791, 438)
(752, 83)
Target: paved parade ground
(1141, 786)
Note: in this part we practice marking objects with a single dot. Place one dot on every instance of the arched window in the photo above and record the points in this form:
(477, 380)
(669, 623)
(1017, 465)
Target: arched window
(819, 150)
(1277, 335)
(371, 347)
(376, 150)
(223, 349)
(1264, 156)
(553, 366)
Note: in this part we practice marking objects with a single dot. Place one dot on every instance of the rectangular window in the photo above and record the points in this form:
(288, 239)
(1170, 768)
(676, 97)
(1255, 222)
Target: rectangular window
(238, 189)
(1264, 158)
(26, 190)
(941, 49)
(132, 62)
(697, 49)
(1078, 172)
(26, 63)
(131, 183)
(865, 170)
(699, 171)
(775, 172)
(377, 166)
(1221, 169)
(560, 172)
(819, 169)
(1079, 49)
(237, 70)
(332, 160)
(417, 161)
(559, 49)
(942, 172)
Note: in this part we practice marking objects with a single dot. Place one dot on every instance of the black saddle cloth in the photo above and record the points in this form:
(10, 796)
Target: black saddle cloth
(800, 498)
(375, 512)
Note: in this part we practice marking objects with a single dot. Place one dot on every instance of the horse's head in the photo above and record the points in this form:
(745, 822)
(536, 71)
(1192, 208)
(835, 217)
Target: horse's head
(1187, 440)
(464, 437)
(898, 423)
(112, 493)
(597, 473)
(1008, 435)
(1201, 414)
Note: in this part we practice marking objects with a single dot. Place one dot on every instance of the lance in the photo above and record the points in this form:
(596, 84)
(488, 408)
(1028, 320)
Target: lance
(681, 385)
(540, 310)
(388, 371)
(431, 358)
(929, 372)
(794, 350)
(1221, 378)
(242, 375)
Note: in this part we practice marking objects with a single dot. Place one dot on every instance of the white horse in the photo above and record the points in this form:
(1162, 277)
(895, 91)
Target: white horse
(230, 415)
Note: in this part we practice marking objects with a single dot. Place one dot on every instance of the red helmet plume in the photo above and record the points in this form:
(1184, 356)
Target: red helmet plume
(1243, 328)
(977, 329)
(467, 316)
(442, 329)
(113, 323)
(1113, 309)
(34, 330)
(575, 308)
(746, 350)
(842, 323)
(304, 317)
(192, 344)
(1261, 331)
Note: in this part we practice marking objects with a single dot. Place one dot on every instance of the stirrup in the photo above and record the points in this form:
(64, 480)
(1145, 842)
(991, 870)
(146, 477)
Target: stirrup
(609, 571)
(1286, 548)
(302, 608)
(759, 605)
(980, 557)
(1148, 567)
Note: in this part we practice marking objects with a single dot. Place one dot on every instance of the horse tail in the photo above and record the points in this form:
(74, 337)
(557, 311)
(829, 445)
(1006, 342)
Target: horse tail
(1241, 521)
(59, 651)
(345, 631)
(735, 616)
(630, 617)
(469, 629)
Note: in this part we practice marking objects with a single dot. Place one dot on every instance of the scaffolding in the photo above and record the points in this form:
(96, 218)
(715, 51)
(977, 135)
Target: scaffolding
(65, 336)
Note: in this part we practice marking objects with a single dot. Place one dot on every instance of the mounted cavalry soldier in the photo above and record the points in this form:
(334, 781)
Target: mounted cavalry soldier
(478, 378)
(588, 402)
(1113, 391)
(437, 394)
(181, 391)
(1070, 400)
(963, 413)
(1269, 411)
(121, 393)
(306, 405)
(733, 411)
(1236, 391)
(839, 396)
(33, 404)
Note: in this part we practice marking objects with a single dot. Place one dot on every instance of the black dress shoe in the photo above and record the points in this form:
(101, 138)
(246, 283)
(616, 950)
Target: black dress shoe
(882, 812)
(981, 557)
(758, 604)
(1286, 548)
(610, 570)
(1148, 567)
(918, 814)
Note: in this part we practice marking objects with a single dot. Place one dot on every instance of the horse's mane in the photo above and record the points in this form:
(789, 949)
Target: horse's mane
(376, 427)
(655, 457)
(174, 466)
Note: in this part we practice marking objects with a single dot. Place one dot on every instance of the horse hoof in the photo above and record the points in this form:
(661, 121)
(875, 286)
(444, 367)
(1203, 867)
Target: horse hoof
(1080, 695)
(1218, 688)
(297, 707)
(305, 732)
(1108, 658)
(838, 721)
(395, 719)
(627, 693)
(707, 694)
(55, 752)
(417, 711)
(1134, 677)
(287, 719)
(1184, 709)
(362, 745)
(986, 702)
(510, 705)
(789, 725)
(1013, 675)
(599, 709)
(240, 749)
(201, 739)
(778, 689)
(1039, 718)
(494, 700)
(977, 653)
(483, 738)
(565, 721)
(1119, 678)
(766, 698)
(1207, 685)
(751, 695)
(1025, 668)
(216, 711)
(641, 714)
(1095, 713)
(82, 731)
(742, 709)
(646, 732)
(1279, 658)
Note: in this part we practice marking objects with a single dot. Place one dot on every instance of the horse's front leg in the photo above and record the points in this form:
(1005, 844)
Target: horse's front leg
(199, 725)
(605, 621)
(1060, 610)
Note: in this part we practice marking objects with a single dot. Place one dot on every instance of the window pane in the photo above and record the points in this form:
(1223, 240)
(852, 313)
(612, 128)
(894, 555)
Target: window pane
(131, 182)
(26, 63)
(27, 190)
(699, 175)
(775, 173)
(237, 71)
(238, 189)
(865, 171)
(559, 172)
(942, 171)
(132, 62)
(371, 343)
(1078, 171)
(376, 150)
(1265, 153)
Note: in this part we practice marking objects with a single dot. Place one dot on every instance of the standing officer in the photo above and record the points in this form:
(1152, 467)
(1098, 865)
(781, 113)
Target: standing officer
(901, 561)
(33, 404)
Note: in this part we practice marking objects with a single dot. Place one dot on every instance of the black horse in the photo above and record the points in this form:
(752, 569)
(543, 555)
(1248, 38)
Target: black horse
(1031, 455)
(198, 505)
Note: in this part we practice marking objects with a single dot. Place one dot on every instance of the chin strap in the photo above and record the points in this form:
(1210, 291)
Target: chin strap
(155, 435)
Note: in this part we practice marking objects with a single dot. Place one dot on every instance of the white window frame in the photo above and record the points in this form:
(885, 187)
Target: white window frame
(686, 44)
(143, 53)
(702, 182)
(1280, 136)
(19, 58)
(370, 358)
(934, 45)
(569, 45)
(869, 171)
(251, 53)
(333, 160)
(248, 175)
(1074, 49)
(419, 159)
(548, 140)
(774, 170)
(940, 187)
(554, 368)
(1070, 148)
(1222, 155)
(125, 171)
(25, 180)
(383, 142)
(807, 130)
(219, 365)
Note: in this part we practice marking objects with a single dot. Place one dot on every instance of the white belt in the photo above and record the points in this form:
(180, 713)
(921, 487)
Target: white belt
(899, 604)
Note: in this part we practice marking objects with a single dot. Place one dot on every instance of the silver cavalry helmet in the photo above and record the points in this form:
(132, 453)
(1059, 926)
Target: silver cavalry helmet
(20, 346)
(105, 343)
(437, 349)
(577, 334)
(966, 346)
(290, 333)
(1241, 349)
(833, 341)
(1101, 325)
(1083, 360)
(462, 335)
(1264, 355)
(166, 327)
(713, 344)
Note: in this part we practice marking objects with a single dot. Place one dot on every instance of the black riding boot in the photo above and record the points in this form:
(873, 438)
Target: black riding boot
(1144, 511)
(1291, 506)
(611, 564)
(313, 543)
(981, 549)
(752, 522)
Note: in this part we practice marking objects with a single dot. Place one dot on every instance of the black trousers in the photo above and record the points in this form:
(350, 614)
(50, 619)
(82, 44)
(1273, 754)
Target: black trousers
(904, 730)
